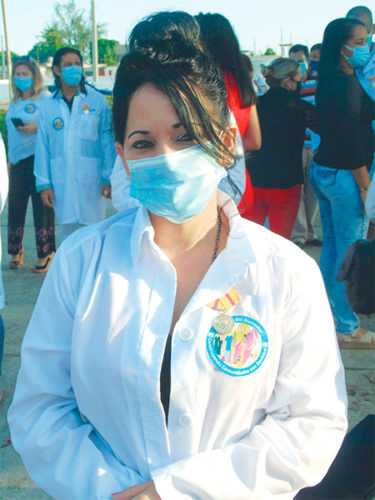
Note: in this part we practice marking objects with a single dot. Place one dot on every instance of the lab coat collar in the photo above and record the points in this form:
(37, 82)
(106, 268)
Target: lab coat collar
(237, 259)
(81, 90)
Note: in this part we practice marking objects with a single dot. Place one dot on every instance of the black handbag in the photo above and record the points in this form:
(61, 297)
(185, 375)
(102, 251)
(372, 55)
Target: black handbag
(357, 269)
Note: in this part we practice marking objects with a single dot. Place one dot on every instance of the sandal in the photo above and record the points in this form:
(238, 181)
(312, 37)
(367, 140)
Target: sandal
(353, 341)
(16, 264)
(45, 267)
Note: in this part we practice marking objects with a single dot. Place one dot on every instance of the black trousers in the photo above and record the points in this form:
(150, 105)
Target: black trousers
(352, 473)
(21, 187)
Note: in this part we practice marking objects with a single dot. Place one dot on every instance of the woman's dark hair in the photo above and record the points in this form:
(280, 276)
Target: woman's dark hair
(316, 46)
(164, 26)
(221, 42)
(164, 54)
(59, 54)
(336, 34)
(299, 47)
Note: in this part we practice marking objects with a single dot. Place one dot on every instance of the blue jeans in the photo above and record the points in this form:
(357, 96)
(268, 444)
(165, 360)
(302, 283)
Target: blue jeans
(1, 341)
(343, 222)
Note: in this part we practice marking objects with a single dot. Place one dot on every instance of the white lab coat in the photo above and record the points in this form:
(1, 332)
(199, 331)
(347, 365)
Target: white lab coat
(75, 155)
(87, 417)
(366, 75)
(4, 182)
(20, 145)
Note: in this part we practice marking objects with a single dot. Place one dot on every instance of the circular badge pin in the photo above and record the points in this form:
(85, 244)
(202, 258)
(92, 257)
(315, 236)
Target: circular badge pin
(240, 352)
(58, 123)
(30, 108)
(223, 324)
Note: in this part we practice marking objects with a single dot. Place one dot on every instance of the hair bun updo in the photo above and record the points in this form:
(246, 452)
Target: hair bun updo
(165, 51)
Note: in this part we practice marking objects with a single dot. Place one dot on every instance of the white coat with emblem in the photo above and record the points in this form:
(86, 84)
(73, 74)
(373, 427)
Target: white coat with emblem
(4, 184)
(87, 417)
(75, 155)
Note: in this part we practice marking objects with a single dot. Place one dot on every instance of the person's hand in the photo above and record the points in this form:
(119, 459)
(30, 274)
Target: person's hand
(106, 191)
(144, 491)
(28, 128)
(47, 197)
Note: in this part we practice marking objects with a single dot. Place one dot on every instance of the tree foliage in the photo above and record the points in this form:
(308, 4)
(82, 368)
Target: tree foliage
(269, 52)
(71, 26)
(107, 51)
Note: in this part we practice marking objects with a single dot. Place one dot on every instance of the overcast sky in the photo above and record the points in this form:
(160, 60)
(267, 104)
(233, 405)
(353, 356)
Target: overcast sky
(255, 22)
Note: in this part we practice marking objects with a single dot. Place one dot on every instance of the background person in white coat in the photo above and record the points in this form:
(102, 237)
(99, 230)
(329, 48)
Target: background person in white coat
(29, 93)
(75, 150)
(3, 197)
(217, 367)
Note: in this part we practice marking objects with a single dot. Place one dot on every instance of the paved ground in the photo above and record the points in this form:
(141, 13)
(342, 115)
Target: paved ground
(22, 287)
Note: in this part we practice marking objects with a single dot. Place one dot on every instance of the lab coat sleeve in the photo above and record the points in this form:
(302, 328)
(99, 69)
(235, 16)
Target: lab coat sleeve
(305, 420)
(42, 168)
(107, 143)
(4, 180)
(61, 451)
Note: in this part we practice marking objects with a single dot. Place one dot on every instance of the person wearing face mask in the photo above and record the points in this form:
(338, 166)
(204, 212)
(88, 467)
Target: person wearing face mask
(276, 169)
(75, 151)
(22, 124)
(304, 232)
(300, 54)
(182, 355)
(339, 173)
(366, 72)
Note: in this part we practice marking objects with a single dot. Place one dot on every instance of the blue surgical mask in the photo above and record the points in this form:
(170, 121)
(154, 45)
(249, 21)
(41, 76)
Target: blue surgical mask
(72, 75)
(360, 55)
(303, 67)
(177, 185)
(369, 41)
(314, 65)
(23, 83)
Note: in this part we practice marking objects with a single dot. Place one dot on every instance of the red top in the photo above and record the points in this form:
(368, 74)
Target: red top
(242, 116)
(234, 102)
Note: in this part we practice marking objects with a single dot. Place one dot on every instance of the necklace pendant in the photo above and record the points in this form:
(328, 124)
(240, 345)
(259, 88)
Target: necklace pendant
(223, 324)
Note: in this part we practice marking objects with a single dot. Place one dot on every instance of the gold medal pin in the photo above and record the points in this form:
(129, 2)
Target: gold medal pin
(224, 323)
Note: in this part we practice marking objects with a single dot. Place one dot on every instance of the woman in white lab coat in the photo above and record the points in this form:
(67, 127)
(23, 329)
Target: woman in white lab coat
(3, 196)
(177, 350)
(22, 124)
(75, 151)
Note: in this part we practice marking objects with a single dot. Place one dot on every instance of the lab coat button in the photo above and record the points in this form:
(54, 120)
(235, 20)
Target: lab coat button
(186, 334)
(185, 420)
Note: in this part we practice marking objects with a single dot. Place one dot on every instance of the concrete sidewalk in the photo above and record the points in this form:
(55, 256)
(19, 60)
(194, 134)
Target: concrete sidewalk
(22, 288)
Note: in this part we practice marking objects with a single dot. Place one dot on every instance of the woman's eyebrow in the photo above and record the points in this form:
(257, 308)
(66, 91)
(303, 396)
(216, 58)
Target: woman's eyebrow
(177, 125)
(143, 132)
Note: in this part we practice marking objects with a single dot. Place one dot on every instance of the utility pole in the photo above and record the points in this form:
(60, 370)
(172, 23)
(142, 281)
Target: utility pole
(3, 57)
(7, 48)
(94, 43)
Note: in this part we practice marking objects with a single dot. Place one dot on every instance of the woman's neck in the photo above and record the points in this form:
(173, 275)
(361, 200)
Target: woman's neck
(176, 239)
(346, 67)
(26, 94)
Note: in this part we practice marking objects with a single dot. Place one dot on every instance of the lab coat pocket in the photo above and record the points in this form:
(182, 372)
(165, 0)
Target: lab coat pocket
(89, 127)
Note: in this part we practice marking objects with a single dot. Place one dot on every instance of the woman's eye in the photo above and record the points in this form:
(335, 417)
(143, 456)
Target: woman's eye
(142, 144)
(185, 137)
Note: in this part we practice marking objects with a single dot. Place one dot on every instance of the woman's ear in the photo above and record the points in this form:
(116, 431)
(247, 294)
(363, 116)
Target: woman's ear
(229, 139)
(120, 151)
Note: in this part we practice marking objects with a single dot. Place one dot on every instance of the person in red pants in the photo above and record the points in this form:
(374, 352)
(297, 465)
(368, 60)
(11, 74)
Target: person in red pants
(276, 169)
